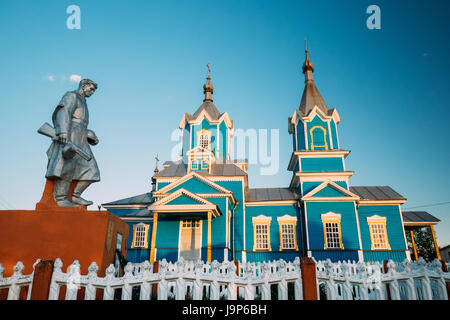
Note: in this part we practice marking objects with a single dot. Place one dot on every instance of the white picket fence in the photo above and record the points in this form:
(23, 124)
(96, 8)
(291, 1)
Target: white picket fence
(416, 280)
(256, 281)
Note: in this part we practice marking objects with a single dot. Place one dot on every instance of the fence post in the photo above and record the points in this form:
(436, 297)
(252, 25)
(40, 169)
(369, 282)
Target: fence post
(155, 285)
(42, 278)
(388, 286)
(309, 281)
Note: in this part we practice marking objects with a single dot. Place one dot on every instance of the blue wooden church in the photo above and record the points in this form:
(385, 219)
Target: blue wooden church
(202, 208)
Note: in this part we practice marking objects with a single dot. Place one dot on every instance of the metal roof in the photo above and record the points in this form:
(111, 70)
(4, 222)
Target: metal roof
(145, 198)
(270, 194)
(140, 213)
(377, 193)
(419, 217)
(179, 169)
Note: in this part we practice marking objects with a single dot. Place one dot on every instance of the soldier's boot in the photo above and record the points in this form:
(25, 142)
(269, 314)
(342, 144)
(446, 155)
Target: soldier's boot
(76, 195)
(60, 193)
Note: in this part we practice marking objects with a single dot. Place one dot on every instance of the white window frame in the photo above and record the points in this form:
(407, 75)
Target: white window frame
(286, 221)
(377, 221)
(331, 220)
(261, 222)
(140, 230)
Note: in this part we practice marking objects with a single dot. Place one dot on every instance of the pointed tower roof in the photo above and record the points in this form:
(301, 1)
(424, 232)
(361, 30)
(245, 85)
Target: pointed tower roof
(311, 96)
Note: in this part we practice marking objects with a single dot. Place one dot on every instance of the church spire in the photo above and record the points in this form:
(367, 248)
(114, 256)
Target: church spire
(311, 96)
(208, 88)
(308, 66)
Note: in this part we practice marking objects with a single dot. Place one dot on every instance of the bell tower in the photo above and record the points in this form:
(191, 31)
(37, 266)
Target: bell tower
(316, 155)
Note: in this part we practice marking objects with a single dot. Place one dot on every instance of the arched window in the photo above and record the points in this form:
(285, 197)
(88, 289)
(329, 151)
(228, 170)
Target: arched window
(318, 138)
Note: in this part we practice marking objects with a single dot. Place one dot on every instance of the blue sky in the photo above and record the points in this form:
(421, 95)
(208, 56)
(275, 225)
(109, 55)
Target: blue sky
(390, 86)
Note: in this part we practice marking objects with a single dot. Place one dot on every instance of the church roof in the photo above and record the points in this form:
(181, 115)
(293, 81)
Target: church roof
(311, 97)
(376, 193)
(210, 109)
(270, 194)
(419, 217)
(179, 169)
(143, 199)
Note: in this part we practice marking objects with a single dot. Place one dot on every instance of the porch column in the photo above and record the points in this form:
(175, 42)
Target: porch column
(209, 236)
(435, 242)
(152, 248)
(411, 232)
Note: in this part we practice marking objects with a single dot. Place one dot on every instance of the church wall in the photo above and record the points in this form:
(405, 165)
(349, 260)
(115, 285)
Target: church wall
(333, 133)
(322, 164)
(394, 225)
(274, 212)
(237, 189)
(349, 230)
(398, 256)
(223, 144)
(301, 144)
(186, 139)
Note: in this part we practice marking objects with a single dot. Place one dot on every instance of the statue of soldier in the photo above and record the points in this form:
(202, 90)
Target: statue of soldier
(70, 157)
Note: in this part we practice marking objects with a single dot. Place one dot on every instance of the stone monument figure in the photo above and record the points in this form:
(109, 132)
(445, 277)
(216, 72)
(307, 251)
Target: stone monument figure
(70, 157)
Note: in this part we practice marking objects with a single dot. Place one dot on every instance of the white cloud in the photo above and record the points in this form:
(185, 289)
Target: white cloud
(50, 78)
(75, 78)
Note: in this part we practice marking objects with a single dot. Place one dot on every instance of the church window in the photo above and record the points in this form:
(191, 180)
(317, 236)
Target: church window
(288, 236)
(140, 236)
(204, 164)
(262, 236)
(204, 138)
(194, 164)
(261, 233)
(318, 138)
(204, 141)
(332, 230)
(378, 233)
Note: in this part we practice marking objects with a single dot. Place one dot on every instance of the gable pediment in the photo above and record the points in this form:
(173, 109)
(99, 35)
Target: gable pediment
(195, 184)
(329, 190)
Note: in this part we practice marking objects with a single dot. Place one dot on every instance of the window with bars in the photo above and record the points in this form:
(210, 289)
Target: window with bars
(139, 236)
(378, 231)
(204, 140)
(288, 236)
(261, 236)
(332, 235)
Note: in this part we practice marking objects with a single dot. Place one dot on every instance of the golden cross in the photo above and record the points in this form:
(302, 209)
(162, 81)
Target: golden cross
(209, 70)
